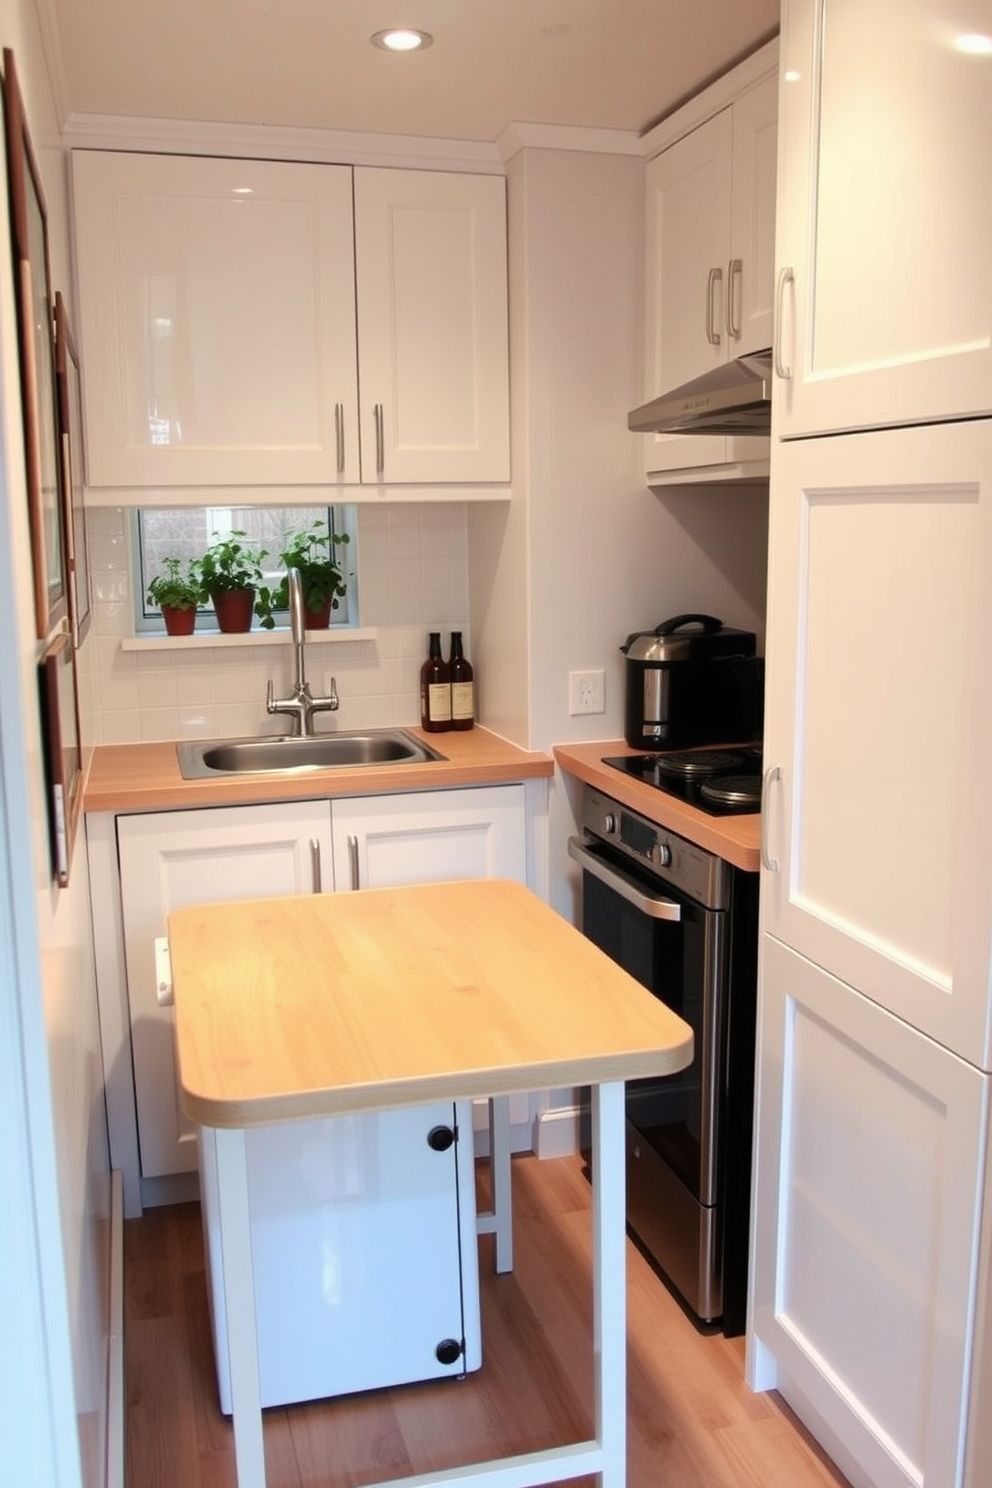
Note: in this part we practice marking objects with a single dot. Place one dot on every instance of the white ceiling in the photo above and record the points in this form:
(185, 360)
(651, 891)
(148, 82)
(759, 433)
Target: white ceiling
(607, 64)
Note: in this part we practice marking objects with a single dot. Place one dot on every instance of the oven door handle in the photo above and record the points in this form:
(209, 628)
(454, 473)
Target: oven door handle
(655, 905)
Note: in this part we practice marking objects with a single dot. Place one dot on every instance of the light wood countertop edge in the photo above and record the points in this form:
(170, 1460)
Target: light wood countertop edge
(736, 839)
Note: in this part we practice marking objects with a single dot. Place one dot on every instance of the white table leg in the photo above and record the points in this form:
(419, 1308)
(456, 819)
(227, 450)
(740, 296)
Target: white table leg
(499, 1220)
(609, 1271)
(239, 1299)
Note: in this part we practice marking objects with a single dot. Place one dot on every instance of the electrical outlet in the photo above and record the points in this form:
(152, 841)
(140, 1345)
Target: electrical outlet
(586, 692)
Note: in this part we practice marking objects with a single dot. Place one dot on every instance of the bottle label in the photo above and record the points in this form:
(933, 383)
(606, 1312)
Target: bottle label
(463, 700)
(439, 702)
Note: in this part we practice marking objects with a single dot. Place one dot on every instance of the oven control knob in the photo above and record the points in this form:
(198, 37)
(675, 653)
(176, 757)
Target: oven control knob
(610, 823)
(662, 855)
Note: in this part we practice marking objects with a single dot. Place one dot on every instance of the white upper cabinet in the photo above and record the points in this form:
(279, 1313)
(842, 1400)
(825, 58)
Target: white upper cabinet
(432, 326)
(227, 341)
(885, 225)
(217, 321)
(710, 243)
(878, 719)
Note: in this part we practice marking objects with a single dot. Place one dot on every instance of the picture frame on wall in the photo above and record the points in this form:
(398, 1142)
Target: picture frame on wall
(36, 342)
(70, 412)
(59, 700)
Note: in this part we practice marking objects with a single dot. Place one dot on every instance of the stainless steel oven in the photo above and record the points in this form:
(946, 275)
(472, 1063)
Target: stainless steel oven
(684, 923)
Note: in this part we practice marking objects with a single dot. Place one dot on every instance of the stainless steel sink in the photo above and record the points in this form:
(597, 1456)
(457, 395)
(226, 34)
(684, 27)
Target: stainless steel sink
(203, 758)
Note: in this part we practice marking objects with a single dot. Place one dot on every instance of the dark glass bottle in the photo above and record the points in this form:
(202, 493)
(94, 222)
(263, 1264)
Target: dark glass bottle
(462, 686)
(435, 689)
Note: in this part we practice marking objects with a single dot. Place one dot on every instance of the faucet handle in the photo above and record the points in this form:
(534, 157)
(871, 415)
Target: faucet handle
(270, 698)
(329, 704)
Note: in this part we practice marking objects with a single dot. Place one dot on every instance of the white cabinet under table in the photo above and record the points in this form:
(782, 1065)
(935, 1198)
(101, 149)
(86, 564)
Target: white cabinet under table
(444, 990)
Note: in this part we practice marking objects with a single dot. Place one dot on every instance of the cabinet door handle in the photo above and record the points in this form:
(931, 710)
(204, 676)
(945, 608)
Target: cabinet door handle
(339, 434)
(380, 442)
(353, 860)
(773, 773)
(315, 875)
(714, 278)
(735, 281)
(785, 278)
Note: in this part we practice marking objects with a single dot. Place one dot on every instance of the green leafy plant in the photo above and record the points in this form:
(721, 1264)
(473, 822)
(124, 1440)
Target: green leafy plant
(231, 563)
(179, 587)
(312, 551)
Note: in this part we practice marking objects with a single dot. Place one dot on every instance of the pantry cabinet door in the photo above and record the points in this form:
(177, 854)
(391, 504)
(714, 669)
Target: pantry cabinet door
(432, 326)
(878, 795)
(172, 859)
(885, 216)
(868, 1157)
(217, 321)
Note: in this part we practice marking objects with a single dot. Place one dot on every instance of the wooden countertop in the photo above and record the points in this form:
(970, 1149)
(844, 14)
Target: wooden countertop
(146, 777)
(331, 1003)
(736, 839)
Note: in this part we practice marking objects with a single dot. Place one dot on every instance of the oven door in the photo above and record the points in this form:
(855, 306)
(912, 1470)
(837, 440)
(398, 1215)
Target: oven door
(677, 950)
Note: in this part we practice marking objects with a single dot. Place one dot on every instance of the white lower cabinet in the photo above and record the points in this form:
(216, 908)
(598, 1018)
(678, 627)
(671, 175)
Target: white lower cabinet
(867, 1205)
(175, 858)
(172, 859)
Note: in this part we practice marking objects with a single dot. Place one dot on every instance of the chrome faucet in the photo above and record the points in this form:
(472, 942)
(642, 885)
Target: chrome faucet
(301, 706)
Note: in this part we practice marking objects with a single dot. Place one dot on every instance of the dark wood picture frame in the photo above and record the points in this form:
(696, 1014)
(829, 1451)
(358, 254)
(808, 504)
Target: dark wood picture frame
(35, 329)
(63, 751)
(70, 407)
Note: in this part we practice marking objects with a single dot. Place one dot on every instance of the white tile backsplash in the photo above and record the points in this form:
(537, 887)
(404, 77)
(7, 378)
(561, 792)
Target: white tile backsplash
(412, 578)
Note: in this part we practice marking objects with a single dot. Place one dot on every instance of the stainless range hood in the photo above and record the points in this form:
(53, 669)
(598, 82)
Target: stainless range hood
(732, 399)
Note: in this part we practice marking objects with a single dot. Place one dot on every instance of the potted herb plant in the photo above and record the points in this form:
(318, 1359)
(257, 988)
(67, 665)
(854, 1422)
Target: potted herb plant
(231, 574)
(177, 591)
(311, 550)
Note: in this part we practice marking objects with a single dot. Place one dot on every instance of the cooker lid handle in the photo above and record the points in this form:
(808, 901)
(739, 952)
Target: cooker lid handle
(709, 624)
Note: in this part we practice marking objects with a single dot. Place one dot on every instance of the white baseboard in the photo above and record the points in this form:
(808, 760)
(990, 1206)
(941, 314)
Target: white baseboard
(558, 1132)
(115, 1338)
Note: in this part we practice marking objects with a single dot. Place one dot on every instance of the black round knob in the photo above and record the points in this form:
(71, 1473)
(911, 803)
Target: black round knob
(440, 1138)
(448, 1351)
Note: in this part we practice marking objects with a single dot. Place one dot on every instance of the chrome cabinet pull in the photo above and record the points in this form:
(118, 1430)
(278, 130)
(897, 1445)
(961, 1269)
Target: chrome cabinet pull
(773, 773)
(339, 434)
(380, 441)
(353, 860)
(735, 281)
(656, 906)
(785, 278)
(714, 278)
(315, 875)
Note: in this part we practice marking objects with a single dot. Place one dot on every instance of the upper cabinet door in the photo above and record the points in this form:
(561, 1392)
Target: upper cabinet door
(710, 239)
(217, 321)
(885, 313)
(878, 717)
(432, 326)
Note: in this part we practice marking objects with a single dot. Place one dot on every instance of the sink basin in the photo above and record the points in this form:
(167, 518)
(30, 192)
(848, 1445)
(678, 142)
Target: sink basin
(202, 759)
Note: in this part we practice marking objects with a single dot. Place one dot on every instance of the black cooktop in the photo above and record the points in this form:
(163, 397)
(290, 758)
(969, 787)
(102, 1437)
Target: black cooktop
(721, 782)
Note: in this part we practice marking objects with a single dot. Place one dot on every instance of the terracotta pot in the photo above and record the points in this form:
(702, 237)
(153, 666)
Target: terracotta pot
(234, 608)
(318, 619)
(178, 622)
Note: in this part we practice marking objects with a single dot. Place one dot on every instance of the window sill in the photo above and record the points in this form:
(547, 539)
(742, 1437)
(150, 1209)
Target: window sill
(206, 639)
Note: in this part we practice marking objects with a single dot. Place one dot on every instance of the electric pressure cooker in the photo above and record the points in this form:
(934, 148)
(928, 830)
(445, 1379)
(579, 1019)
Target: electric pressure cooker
(691, 680)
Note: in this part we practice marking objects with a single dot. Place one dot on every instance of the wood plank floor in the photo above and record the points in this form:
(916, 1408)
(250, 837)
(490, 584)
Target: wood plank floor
(692, 1421)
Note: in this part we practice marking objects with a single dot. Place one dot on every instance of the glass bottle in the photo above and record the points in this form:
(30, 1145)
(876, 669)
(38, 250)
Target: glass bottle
(435, 689)
(462, 686)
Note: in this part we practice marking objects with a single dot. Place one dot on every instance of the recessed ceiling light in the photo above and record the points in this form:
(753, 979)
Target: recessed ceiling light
(402, 39)
(978, 46)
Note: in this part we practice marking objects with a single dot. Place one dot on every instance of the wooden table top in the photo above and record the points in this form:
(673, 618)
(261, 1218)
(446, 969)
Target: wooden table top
(322, 1004)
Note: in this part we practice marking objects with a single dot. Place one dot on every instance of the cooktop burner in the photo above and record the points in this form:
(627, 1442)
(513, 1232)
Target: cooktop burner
(721, 782)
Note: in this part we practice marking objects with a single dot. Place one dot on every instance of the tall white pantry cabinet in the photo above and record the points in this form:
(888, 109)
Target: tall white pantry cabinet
(871, 1252)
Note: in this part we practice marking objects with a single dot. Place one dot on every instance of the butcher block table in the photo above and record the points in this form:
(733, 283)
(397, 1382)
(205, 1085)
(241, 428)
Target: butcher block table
(319, 1005)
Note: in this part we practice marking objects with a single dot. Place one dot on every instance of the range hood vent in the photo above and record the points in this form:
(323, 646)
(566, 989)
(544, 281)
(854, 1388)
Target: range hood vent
(733, 399)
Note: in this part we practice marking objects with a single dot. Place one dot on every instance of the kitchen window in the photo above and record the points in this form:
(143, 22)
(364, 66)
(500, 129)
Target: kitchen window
(187, 532)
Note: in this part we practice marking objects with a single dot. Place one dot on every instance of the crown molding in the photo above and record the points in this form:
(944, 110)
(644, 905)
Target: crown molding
(260, 142)
(754, 69)
(518, 137)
